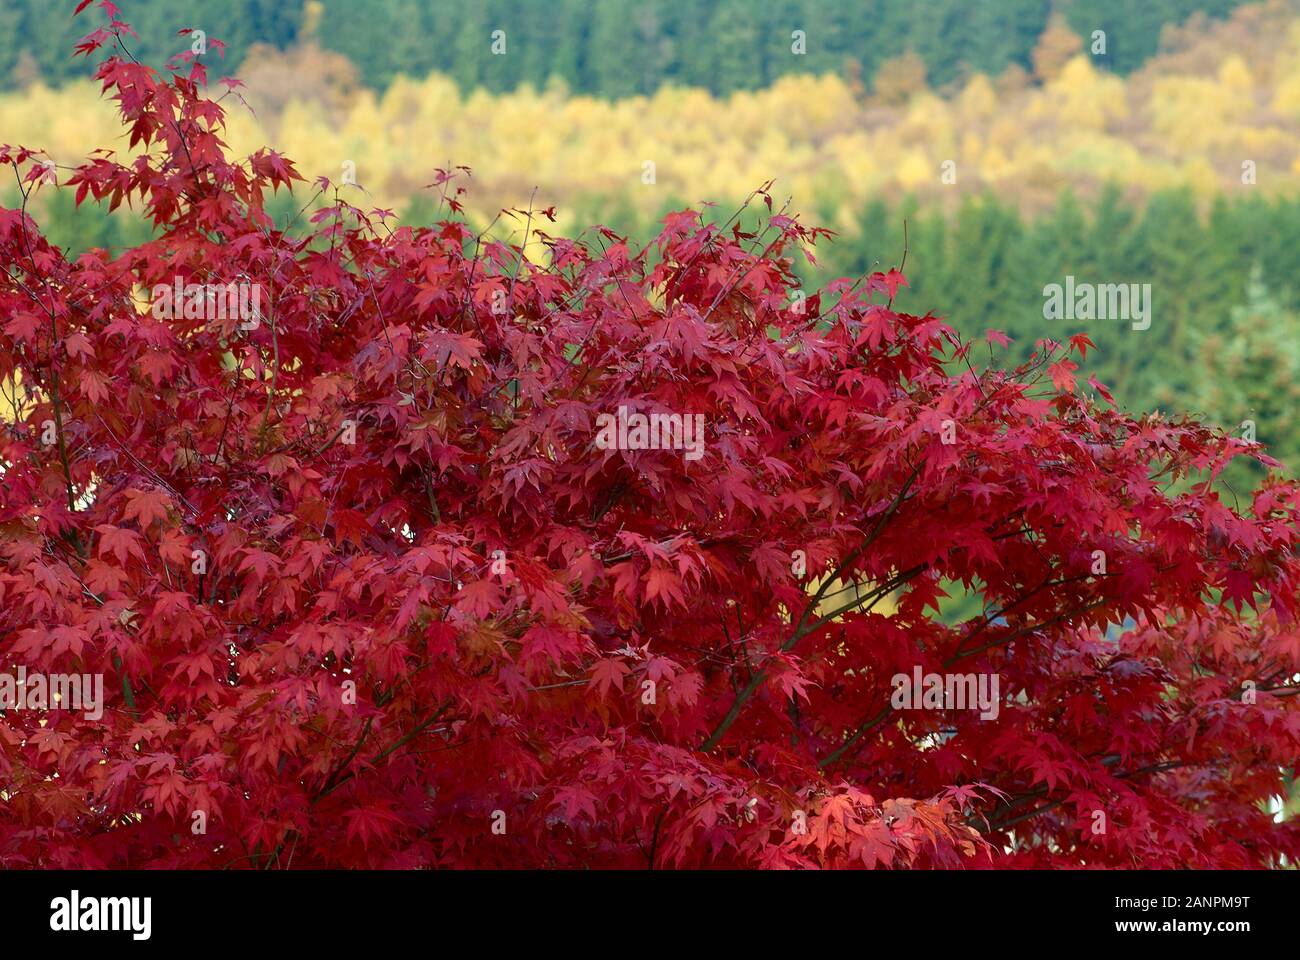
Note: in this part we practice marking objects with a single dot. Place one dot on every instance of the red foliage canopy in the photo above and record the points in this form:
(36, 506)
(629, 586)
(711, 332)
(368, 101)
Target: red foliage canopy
(367, 592)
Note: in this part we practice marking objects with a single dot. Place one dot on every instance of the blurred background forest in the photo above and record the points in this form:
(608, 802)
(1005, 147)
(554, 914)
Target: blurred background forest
(1021, 140)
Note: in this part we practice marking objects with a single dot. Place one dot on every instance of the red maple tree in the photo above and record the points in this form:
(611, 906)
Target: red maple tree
(366, 591)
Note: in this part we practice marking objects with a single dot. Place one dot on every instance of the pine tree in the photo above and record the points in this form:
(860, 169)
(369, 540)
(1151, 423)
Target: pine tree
(614, 62)
(1249, 377)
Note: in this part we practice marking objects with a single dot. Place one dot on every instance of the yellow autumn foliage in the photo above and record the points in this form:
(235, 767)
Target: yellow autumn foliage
(1191, 116)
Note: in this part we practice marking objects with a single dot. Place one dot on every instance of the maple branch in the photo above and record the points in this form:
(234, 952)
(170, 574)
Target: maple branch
(327, 444)
(356, 748)
(185, 144)
(713, 237)
(1024, 598)
(727, 286)
(901, 267)
(522, 248)
(55, 397)
(858, 282)
(153, 474)
(1000, 824)
(875, 595)
(965, 355)
(1028, 628)
(334, 781)
(801, 630)
(469, 292)
(874, 721)
(275, 373)
(401, 742)
(654, 840)
(230, 405)
(861, 548)
(866, 726)
(758, 678)
(612, 497)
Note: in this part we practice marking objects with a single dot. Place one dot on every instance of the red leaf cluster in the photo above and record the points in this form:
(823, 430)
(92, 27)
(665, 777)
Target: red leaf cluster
(366, 591)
